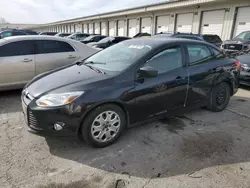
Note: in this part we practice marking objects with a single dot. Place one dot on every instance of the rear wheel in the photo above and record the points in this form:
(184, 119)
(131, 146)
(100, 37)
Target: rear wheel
(219, 97)
(103, 125)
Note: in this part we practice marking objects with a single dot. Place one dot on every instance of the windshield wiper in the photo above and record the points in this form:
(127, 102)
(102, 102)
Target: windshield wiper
(89, 62)
(93, 68)
(92, 62)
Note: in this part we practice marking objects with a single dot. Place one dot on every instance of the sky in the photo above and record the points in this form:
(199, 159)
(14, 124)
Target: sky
(45, 11)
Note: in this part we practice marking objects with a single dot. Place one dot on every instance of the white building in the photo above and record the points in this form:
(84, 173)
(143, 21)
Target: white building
(225, 18)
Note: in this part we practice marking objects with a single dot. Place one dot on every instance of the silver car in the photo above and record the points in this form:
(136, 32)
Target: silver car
(24, 57)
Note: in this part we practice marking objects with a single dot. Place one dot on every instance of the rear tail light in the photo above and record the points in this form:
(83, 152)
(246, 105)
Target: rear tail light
(238, 65)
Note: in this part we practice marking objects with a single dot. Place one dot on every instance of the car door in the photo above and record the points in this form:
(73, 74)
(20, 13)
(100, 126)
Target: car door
(17, 64)
(167, 91)
(201, 72)
(53, 54)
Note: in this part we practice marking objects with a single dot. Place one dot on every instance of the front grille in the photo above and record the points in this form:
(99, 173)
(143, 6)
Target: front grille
(32, 120)
(233, 46)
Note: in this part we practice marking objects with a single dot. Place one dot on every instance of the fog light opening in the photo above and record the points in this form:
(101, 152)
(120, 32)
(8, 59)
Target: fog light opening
(58, 126)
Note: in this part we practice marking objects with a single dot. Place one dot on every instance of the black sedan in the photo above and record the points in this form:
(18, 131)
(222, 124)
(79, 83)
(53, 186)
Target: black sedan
(108, 41)
(92, 38)
(245, 69)
(128, 83)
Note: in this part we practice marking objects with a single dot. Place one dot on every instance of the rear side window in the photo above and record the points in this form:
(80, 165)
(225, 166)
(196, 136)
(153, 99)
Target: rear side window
(216, 52)
(198, 54)
(18, 48)
(53, 46)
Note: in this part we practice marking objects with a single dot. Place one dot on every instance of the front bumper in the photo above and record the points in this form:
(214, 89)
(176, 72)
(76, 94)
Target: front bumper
(41, 120)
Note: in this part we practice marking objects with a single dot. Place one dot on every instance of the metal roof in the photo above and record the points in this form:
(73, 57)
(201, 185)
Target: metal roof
(128, 11)
(111, 12)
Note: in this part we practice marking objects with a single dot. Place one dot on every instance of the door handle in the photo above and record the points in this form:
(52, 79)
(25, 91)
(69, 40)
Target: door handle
(26, 60)
(71, 57)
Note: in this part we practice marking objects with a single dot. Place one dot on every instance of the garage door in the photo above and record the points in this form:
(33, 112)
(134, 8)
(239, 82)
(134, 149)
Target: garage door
(97, 28)
(78, 28)
(132, 27)
(112, 28)
(121, 28)
(85, 28)
(212, 22)
(162, 24)
(242, 20)
(103, 28)
(184, 23)
(91, 29)
(146, 25)
(72, 28)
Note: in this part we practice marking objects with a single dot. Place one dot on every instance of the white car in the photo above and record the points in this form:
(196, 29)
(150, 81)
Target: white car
(24, 57)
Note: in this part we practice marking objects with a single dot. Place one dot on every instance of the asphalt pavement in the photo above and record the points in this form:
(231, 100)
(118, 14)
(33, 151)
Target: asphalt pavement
(196, 149)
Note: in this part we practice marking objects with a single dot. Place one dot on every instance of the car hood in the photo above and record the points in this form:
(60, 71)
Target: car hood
(236, 41)
(71, 76)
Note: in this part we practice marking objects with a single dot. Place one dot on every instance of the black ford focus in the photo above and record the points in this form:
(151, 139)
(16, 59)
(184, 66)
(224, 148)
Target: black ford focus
(128, 83)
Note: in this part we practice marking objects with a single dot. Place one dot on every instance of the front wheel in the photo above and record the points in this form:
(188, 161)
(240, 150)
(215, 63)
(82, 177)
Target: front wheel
(103, 126)
(219, 97)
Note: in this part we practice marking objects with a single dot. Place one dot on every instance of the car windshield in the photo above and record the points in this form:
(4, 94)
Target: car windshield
(89, 38)
(118, 57)
(244, 36)
(64, 34)
(106, 39)
(72, 35)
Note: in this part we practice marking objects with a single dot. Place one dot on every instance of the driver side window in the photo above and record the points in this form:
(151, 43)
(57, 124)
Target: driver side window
(167, 60)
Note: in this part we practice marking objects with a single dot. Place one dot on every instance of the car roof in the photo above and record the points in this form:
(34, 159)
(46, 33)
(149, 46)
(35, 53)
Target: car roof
(157, 42)
(32, 37)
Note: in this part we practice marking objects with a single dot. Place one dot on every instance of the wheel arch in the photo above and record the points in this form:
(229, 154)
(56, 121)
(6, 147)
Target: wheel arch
(227, 78)
(117, 103)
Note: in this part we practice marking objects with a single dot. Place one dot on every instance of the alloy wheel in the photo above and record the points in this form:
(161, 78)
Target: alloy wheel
(105, 126)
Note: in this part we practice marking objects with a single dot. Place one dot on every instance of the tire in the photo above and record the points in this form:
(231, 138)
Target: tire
(219, 97)
(99, 133)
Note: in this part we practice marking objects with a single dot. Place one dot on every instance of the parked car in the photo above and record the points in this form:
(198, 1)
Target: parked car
(127, 83)
(62, 34)
(139, 35)
(48, 33)
(245, 69)
(92, 38)
(78, 36)
(213, 39)
(24, 57)
(15, 32)
(240, 43)
(107, 42)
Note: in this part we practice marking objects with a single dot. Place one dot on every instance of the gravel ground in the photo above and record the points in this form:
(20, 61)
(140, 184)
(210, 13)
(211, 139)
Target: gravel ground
(196, 149)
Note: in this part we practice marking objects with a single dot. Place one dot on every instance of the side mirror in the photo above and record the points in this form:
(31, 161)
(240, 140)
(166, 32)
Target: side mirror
(147, 72)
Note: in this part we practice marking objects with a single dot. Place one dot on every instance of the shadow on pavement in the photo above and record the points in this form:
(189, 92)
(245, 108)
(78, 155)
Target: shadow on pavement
(169, 147)
(10, 101)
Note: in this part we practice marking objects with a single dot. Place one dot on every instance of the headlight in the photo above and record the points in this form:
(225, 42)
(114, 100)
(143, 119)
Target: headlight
(59, 99)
